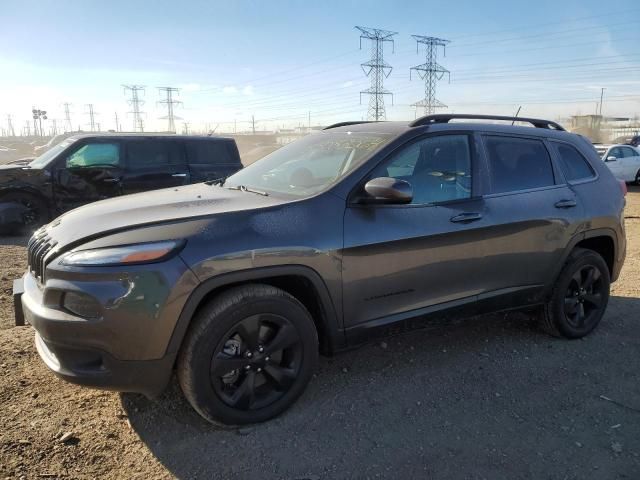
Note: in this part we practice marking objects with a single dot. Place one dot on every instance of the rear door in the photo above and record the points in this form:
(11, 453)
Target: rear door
(153, 163)
(211, 158)
(532, 215)
(91, 170)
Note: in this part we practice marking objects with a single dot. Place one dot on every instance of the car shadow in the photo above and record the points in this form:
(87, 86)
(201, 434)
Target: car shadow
(466, 386)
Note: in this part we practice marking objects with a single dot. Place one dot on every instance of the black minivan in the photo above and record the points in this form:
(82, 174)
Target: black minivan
(89, 167)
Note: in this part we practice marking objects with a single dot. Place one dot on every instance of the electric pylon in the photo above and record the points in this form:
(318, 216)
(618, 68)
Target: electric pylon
(430, 72)
(377, 69)
(136, 103)
(170, 102)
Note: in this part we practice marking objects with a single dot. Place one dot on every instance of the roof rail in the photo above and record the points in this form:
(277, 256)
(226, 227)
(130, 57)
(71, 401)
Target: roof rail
(346, 124)
(446, 118)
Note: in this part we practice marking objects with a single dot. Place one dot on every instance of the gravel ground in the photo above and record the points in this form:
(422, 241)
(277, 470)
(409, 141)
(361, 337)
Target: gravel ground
(487, 397)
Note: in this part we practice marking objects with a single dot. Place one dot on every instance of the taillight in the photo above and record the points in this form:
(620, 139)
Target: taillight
(623, 186)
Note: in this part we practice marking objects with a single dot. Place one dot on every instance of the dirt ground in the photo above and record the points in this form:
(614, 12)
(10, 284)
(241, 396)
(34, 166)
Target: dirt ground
(488, 397)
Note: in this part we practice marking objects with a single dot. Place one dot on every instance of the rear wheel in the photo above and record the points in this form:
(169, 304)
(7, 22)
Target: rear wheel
(637, 180)
(580, 296)
(248, 355)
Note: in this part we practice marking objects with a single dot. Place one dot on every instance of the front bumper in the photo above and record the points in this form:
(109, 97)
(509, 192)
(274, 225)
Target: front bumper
(126, 348)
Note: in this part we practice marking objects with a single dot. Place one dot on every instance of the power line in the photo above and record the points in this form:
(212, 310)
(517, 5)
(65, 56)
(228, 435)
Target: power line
(170, 103)
(136, 103)
(430, 71)
(377, 69)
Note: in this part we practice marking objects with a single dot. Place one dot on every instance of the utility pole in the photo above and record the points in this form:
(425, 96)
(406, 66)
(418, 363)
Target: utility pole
(170, 102)
(92, 120)
(309, 129)
(601, 98)
(377, 69)
(253, 124)
(54, 127)
(430, 72)
(10, 131)
(117, 122)
(136, 103)
(67, 118)
(235, 126)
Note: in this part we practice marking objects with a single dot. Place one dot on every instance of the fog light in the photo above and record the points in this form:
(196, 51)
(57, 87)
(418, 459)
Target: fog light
(82, 305)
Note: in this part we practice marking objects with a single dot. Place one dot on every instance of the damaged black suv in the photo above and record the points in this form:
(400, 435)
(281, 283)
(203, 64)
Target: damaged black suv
(359, 229)
(89, 167)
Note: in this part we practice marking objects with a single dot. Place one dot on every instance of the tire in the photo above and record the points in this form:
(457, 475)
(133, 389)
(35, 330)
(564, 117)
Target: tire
(232, 376)
(579, 297)
(637, 180)
(37, 214)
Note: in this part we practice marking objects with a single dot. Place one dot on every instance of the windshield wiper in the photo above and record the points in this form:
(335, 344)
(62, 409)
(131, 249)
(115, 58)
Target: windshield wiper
(244, 188)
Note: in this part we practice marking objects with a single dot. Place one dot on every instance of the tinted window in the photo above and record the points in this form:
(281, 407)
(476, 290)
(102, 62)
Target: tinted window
(615, 152)
(96, 155)
(152, 153)
(203, 152)
(574, 165)
(629, 152)
(518, 164)
(438, 168)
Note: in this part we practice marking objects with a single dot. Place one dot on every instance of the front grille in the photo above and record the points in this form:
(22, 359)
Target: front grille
(39, 246)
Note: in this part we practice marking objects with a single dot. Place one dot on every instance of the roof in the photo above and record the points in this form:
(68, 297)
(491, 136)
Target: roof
(146, 135)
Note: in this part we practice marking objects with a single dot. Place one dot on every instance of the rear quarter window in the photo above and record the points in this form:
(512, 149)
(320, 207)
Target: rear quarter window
(572, 162)
(209, 153)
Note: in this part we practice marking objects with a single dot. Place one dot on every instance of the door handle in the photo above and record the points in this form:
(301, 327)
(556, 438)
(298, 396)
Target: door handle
(466, 217)
(565, 204)
(111, 180)
(179, 175)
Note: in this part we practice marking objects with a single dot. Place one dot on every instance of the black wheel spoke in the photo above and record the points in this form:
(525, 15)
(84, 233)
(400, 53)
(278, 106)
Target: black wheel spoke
(577, 277)
(592, 276)
(249, 331)
(581, 315)
(283, 377)
(284, 338)
(594, 299)
(570, 305)
(244, 395)
(224, 364)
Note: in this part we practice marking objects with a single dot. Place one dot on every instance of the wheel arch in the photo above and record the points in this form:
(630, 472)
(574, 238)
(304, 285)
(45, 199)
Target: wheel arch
(302, 282)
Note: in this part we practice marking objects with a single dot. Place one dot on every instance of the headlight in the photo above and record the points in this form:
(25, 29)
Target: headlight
(123, 255)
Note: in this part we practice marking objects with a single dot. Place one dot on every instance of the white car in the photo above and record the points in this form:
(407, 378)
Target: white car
(622, 160)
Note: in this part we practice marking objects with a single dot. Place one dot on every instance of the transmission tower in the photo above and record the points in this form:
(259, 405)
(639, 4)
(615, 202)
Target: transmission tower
(10, 131)
(170, 103)
(92, 120)
(430, 71)
(136, 103)
(67, 118)
(377, 69)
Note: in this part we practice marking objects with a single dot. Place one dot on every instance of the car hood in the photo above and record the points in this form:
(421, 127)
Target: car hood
(151, 208)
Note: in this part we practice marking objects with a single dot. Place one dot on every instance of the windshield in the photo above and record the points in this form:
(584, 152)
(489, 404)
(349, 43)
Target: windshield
(309, 165)
(50, 154)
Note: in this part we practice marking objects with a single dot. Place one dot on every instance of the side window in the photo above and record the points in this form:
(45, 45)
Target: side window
(95, 155)
(629, 152)
(518, 164)
(573, 164)
(205, 152)
(143, 154)
(438, 168)
(615, 152)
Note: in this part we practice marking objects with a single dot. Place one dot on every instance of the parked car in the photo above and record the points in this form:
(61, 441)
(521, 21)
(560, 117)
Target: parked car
(362, 229)
(622, 160)
(633, 140)
(86, 168)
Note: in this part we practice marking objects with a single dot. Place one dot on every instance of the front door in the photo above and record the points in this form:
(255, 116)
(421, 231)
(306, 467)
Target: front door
(153, 163)
(91, 172)
(400, 258)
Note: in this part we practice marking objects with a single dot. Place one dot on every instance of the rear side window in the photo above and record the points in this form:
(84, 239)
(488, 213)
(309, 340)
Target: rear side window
(573, 164)
(152, 153)
(629, 152)
(208, 152)
(518, 164)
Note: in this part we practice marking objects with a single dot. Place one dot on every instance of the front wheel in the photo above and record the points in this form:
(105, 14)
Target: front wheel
(579, 297)
(248, 355)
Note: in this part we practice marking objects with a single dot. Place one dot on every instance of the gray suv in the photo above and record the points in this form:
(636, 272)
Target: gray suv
(361, 229)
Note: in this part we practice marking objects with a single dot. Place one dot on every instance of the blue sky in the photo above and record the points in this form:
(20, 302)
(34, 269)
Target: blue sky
(280, 60)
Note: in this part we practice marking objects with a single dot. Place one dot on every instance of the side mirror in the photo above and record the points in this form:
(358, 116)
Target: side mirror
(388, 190)
(611, 159)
